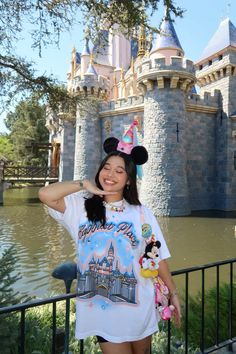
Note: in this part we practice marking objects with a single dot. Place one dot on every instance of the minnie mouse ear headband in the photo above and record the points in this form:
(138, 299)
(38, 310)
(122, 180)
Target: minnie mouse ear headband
(128, 145)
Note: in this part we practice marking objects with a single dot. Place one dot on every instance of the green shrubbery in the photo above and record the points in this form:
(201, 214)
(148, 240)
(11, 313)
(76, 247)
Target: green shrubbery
(210, 317)
(8, 329)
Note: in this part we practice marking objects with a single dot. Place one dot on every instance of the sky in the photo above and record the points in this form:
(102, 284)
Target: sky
(200, 21)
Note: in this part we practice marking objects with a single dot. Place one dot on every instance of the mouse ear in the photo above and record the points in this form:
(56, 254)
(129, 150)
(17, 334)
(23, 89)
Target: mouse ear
(139, 155)
(110, 144)
(158, 243)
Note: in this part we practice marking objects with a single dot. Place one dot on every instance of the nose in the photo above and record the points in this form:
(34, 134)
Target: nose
(110, 173)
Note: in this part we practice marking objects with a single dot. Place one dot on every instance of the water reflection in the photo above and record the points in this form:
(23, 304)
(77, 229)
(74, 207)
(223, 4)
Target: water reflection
(42, 244)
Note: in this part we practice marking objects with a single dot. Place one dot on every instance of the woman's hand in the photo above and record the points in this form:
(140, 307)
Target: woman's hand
(92, 188)
(174, 299)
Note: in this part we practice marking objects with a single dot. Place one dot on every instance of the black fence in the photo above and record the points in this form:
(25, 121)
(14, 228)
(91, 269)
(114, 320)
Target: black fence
(194, 283)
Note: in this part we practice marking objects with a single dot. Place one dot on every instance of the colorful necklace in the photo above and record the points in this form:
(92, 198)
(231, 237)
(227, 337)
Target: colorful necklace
(114, 207)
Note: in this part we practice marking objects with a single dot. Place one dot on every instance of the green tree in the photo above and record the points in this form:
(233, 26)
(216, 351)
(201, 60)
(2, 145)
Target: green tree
(47, 20)
(27, 129)
(8, 297)
(6, 147)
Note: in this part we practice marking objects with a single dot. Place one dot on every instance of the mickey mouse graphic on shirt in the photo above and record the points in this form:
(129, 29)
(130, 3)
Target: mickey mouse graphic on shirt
(150, 259)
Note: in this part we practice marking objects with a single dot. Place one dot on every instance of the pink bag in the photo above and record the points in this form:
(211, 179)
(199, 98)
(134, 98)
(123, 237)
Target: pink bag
(162, 299)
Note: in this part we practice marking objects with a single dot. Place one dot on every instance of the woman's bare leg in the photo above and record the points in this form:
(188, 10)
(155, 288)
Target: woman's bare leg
(142, 346)
(116, 348)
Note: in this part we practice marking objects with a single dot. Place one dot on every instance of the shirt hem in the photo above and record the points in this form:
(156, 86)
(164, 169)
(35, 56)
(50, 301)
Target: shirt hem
(117, 339)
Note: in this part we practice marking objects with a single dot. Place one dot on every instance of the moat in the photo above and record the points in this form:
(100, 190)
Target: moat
(42, 244)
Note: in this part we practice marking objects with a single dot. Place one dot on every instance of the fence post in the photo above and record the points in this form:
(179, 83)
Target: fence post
(1, 192)
(67, 272)
(1, 181)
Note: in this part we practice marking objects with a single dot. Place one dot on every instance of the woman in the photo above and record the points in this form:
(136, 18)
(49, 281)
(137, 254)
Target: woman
(114, 301)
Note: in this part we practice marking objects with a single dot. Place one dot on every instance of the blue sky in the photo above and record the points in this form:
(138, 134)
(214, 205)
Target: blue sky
(194, 30)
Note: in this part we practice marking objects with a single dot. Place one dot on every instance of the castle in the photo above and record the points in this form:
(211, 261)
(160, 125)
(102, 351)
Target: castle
(114, 285)
(190, 137)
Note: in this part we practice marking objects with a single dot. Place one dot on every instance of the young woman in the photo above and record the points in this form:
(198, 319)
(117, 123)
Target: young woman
(111, 230)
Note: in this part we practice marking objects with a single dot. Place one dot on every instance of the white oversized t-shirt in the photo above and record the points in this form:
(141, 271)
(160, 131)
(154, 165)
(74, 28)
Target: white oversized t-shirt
(114, 301)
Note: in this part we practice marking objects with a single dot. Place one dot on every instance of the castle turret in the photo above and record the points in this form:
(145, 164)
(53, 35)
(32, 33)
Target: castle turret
(216, 69)
(164, 82)
(167, 43)
(88, 147)
(85, 55)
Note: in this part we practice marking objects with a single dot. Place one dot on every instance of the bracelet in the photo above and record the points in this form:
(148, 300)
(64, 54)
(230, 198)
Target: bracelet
(81, 184)
(174, 293)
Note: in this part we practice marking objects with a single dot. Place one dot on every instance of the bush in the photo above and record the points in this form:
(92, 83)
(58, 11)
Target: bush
(8, 329)
(210, 317)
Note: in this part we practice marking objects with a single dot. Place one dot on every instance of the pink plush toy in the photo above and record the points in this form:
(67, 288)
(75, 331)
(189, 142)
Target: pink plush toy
(161, 299)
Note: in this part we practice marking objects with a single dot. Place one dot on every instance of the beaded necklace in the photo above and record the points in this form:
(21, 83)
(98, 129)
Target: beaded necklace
(113, 207)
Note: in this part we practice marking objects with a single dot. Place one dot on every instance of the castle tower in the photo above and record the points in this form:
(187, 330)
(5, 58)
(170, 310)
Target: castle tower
(118, 45)
(88, 146)
(85, 55)
(165, 78)
(167, 43)
(216, 69)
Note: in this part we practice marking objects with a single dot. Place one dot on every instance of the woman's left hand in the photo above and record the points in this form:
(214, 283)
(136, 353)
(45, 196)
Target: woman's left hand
(177, 311)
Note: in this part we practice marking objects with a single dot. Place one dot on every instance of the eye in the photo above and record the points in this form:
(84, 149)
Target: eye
(120, 171)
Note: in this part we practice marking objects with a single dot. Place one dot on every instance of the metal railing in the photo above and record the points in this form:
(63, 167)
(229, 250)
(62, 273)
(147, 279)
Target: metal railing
(68, 275)
(29, 173)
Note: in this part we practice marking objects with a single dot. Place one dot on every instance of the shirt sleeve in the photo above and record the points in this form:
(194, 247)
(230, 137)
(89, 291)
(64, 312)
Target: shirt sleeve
(71, 216)
(156, 230)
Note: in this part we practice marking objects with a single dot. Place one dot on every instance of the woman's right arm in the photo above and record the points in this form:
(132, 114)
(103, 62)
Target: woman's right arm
(53, 194)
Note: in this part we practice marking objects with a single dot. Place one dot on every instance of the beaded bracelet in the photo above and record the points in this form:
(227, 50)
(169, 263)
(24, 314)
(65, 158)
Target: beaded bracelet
(81, 184)
(174, 293)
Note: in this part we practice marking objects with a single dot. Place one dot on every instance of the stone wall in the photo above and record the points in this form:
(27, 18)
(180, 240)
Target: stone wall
(200, 150)
(67, 152)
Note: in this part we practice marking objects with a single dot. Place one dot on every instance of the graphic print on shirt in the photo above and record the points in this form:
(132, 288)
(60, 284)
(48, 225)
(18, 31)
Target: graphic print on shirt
(105, 261)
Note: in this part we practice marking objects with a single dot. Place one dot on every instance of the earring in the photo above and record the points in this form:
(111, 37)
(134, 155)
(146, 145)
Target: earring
(127, 187)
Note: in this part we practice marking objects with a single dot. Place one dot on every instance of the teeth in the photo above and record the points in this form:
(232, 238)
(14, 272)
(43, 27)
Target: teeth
(109, 182)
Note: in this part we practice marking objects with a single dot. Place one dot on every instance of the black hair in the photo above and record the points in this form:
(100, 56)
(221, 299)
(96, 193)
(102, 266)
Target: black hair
(94, 205)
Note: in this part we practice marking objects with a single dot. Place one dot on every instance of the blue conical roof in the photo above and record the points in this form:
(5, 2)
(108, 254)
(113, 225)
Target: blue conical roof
(86, 50)
(224, 37)
(91, 70)
(167, 38)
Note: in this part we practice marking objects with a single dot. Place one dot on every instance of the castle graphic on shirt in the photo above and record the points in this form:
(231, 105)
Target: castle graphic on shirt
(106, 266)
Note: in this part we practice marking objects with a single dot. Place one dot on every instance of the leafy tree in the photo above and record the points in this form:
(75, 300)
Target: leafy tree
(27, 128)
(8, 297)
(47, 20)
(6, 148)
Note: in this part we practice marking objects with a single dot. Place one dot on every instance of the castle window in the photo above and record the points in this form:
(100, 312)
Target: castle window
(210, 62)
(79, 129)
(200, 67)
(220, 57)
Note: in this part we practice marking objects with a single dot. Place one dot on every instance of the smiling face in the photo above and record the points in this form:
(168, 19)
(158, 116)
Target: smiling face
(113, 178)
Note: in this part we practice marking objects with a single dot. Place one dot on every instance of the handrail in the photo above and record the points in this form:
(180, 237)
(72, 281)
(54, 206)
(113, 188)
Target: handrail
(186, 272)
(20, 173)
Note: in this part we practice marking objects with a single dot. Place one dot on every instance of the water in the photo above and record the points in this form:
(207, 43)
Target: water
(42, 244)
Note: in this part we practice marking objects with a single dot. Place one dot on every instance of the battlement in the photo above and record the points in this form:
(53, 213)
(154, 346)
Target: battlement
(131, 101)
(217, 62)
(216, 68)
(207, 101)
(159, 64)
(88, 84)
(177, 72)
